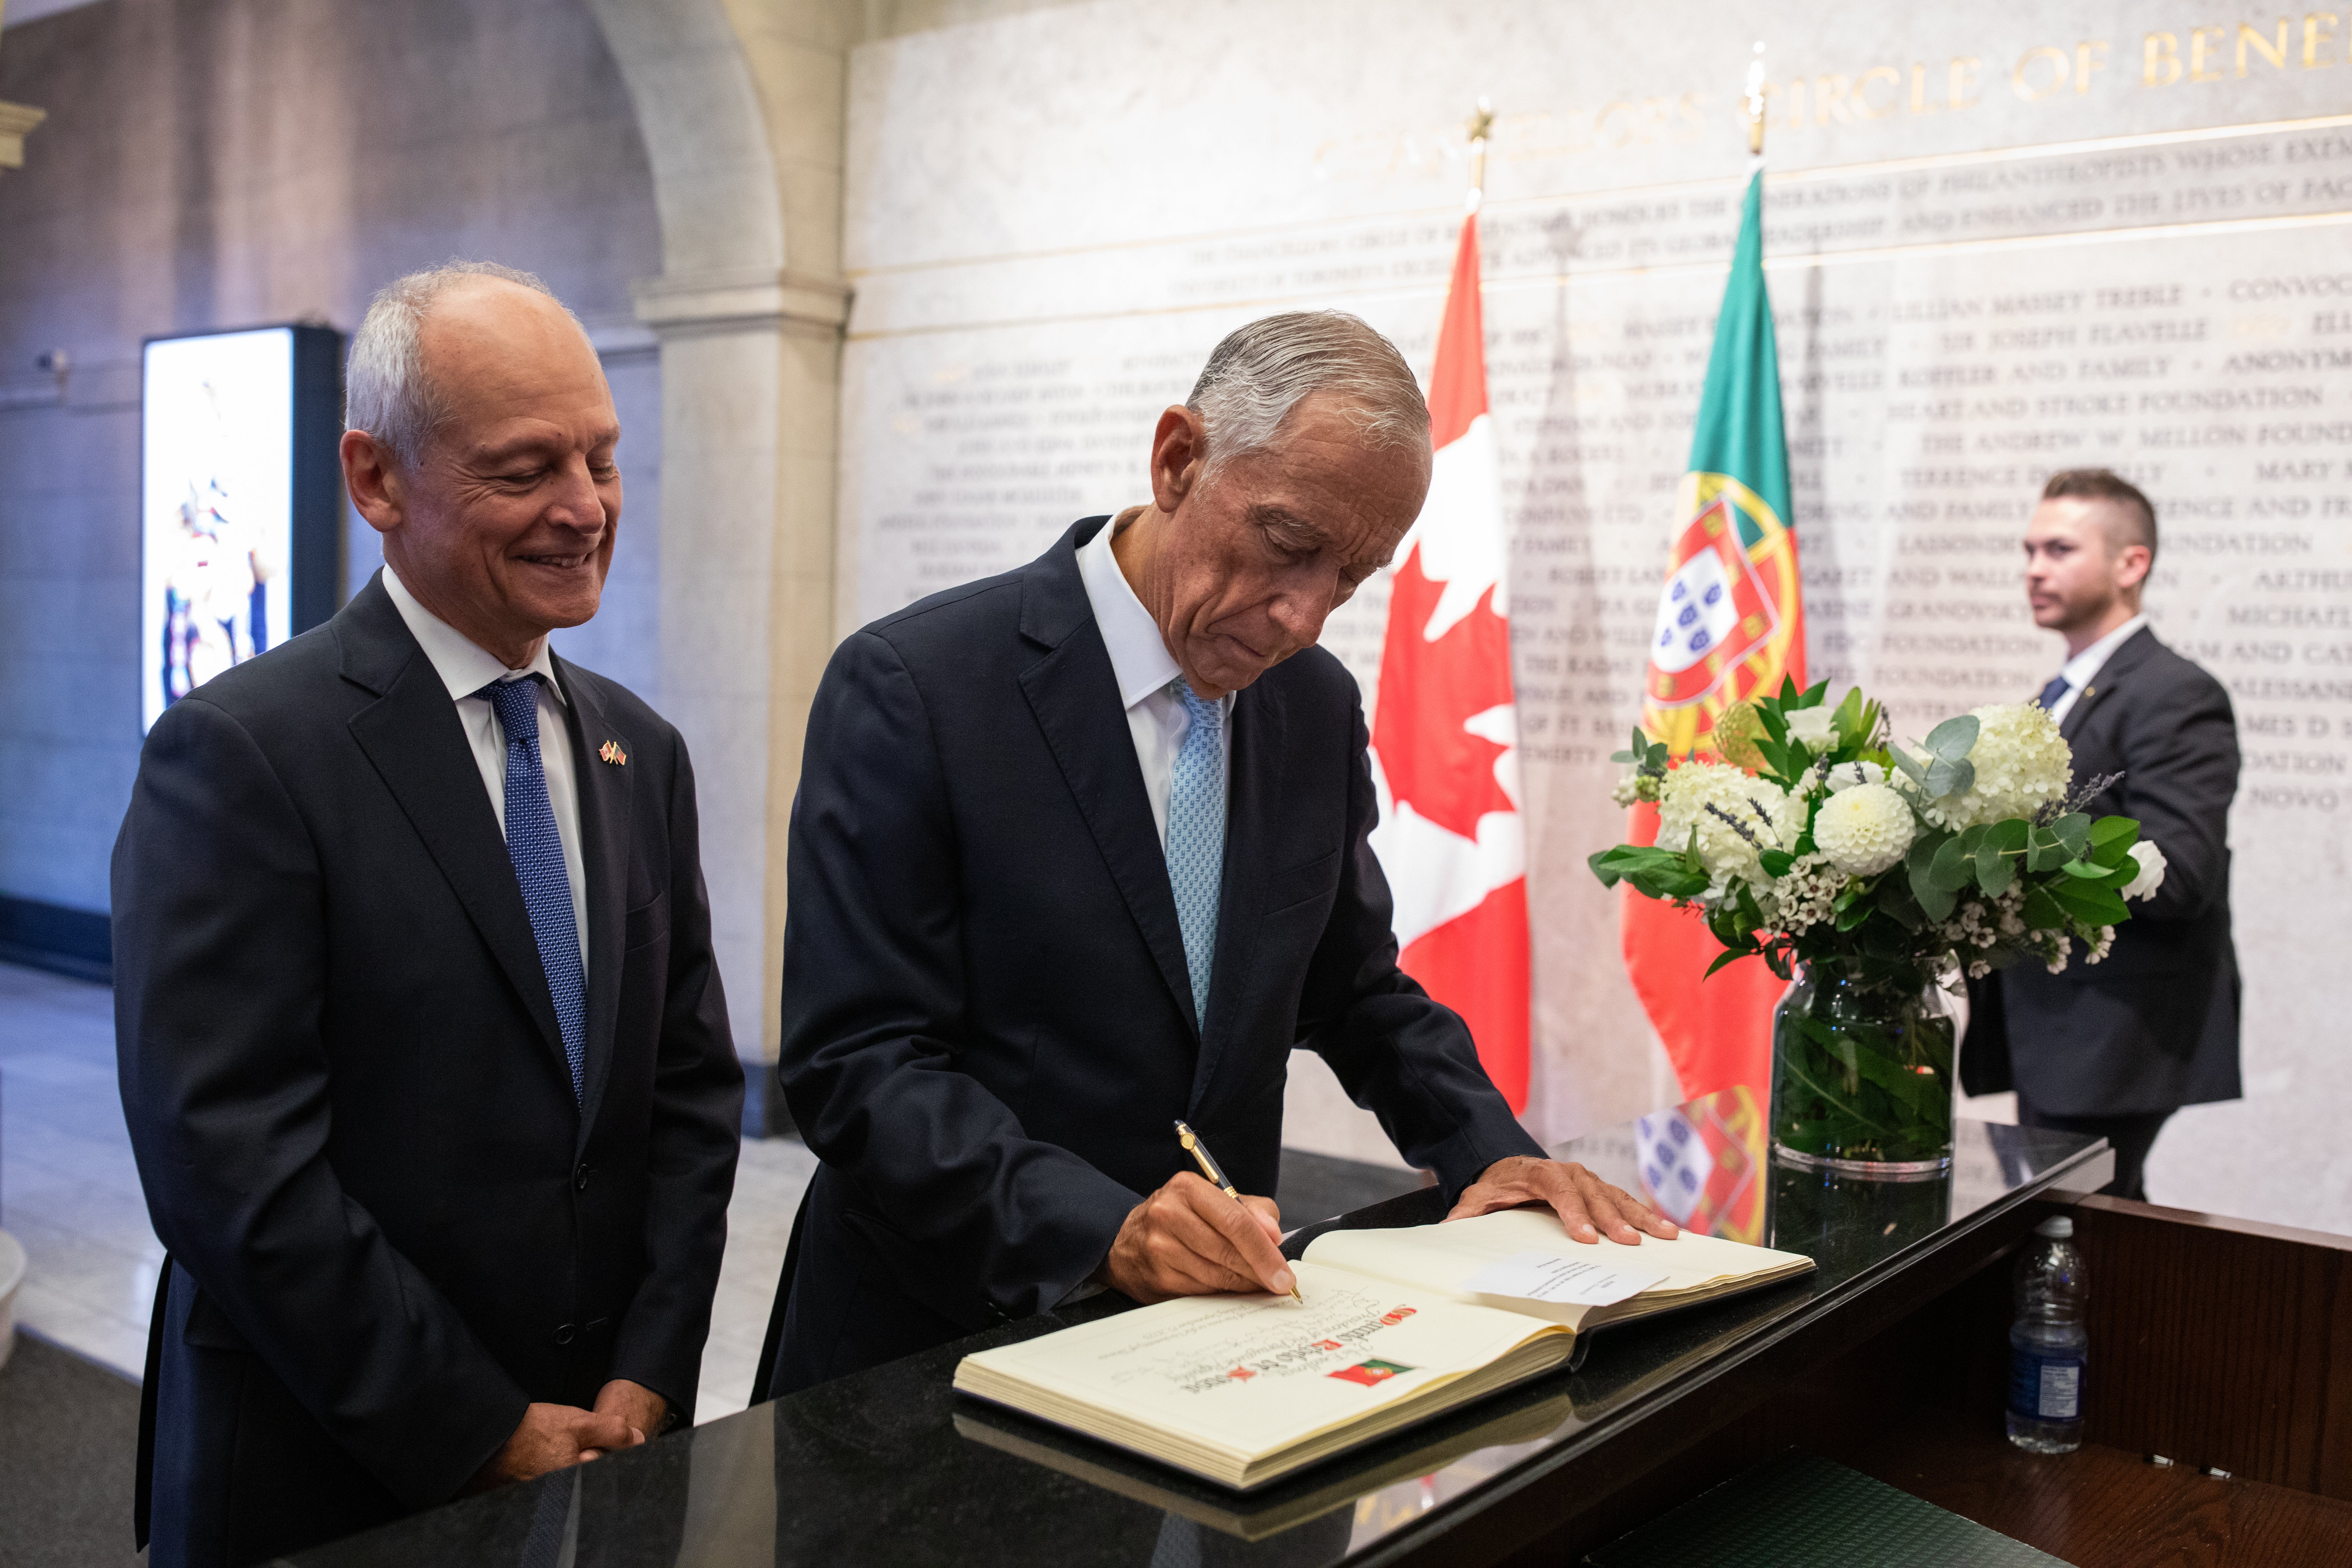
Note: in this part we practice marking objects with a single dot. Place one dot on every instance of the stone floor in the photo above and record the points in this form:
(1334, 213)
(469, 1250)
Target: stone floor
(70, 1192)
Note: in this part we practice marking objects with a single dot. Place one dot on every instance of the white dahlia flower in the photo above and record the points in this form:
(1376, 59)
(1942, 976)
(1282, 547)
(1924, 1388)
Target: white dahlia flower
(2151, 871)
(1749, 816)
(2021, 764)
(1816, 727)
(1863, 830)
(1851, 775)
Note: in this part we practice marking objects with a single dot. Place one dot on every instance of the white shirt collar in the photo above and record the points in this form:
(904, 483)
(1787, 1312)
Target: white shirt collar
(2085, 667)
(464, 666)
(1139, 656)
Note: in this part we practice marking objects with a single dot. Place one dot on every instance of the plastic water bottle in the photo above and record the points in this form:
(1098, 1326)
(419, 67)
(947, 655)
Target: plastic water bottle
(2047, 1343)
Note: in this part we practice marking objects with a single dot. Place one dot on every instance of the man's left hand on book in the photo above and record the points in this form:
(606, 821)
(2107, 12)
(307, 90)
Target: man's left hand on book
(1589, 1208)
(1190, 1239)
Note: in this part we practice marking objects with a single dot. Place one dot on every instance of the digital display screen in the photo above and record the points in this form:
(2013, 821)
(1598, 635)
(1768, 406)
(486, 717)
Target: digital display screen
(216, 507)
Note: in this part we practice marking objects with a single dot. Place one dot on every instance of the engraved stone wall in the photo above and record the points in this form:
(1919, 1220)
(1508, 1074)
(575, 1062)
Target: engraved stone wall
(2042, 237)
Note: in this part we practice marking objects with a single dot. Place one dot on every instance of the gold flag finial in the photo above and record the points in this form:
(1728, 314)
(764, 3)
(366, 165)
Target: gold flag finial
(1755, 101)
(1480, 127)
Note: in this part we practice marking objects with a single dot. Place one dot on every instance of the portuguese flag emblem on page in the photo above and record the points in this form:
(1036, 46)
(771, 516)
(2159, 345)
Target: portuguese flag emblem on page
(1731, 626)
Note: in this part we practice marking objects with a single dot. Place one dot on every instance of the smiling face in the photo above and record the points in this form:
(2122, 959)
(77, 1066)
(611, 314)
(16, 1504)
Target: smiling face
(1240, 569)
(2080, 578)
(504, 525)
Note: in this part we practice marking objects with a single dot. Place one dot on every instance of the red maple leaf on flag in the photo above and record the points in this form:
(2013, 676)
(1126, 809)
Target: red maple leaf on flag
(1429, 691)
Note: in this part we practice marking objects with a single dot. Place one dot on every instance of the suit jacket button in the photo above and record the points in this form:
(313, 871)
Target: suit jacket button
(564, 1333)
(580, 1179)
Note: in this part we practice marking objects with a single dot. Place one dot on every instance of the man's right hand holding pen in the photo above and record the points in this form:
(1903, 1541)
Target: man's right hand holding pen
(1190, 1239)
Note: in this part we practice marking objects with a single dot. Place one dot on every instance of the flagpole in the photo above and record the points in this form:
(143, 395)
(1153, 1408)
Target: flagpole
(1481, 125)
(1756, 102)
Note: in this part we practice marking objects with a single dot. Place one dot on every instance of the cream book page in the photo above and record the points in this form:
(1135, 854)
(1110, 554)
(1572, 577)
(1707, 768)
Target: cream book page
(1240, 1377)
(1443, 1257)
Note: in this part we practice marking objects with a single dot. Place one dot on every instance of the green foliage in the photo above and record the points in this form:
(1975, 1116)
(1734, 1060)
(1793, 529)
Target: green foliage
(2062, 877)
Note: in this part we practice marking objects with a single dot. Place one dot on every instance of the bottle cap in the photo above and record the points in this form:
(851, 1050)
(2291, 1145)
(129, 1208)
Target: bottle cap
(2059, 1228)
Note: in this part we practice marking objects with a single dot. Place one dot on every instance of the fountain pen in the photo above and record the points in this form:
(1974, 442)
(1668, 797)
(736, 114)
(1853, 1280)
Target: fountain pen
(1211, 1168)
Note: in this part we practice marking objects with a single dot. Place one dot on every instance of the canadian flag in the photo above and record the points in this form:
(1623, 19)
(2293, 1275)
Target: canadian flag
(1445, 729)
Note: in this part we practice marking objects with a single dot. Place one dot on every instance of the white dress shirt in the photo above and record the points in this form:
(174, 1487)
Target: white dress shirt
(465, 668)
(1156, 719)
(2085, 667)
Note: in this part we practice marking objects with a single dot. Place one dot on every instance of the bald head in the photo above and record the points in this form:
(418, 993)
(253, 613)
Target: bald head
(480, 445)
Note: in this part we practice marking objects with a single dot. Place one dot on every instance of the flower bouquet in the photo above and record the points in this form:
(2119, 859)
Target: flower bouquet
(1871, 874)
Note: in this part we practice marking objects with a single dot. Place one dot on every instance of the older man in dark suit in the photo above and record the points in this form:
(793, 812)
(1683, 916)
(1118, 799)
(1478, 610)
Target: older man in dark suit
(423, 1050)
(2117, 1047)
(1080, 850)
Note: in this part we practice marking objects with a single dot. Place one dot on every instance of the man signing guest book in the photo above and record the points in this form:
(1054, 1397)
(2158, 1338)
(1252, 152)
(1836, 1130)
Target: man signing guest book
(2113, 1049)
(1081, 850)
(423, 1049)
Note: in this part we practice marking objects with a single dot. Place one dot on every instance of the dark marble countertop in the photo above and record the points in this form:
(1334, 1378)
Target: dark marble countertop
(893, 1466)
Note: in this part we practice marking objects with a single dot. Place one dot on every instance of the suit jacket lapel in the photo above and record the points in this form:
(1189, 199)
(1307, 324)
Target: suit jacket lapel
(2117, 670)
(1252, 794)
(1075, 697)
(605, 795)
(411, 735)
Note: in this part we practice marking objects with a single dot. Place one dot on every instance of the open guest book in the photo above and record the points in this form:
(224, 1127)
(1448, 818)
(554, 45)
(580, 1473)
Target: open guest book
(1397, 1326)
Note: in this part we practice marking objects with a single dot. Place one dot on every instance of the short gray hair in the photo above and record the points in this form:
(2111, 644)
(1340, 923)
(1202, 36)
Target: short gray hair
(385, 390)
(1262, 371)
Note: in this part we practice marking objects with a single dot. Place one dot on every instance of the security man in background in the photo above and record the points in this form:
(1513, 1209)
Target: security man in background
(2115, 1049)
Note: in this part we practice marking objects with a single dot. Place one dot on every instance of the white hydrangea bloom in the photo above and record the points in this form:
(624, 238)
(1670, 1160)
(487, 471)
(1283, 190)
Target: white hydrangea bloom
(1767, 817)
(2151, 871)
(1851, 775)
(1863, 830)
(1816, 727)
(2022, 763)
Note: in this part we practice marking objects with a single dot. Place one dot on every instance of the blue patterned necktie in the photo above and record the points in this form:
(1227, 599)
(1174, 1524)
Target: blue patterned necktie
(537, 851)
(2051, 693)
(1196, 837)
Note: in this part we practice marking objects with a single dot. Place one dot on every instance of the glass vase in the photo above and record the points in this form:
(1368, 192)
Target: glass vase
(1862, 1072)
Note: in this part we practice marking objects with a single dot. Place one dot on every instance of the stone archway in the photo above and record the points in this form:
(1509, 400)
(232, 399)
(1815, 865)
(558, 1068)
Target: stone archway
(740, 105)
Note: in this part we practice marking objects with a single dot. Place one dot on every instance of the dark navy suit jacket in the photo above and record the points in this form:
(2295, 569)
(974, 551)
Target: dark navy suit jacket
(2154, 1026)
(987, 1024)
(391, 1226)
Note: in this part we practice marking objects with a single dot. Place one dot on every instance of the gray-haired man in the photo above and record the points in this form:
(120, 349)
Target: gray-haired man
(1082, 849)
(423, 1051)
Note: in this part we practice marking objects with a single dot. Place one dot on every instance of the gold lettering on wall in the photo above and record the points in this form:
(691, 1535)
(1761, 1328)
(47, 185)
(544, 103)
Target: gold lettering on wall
(2198, 38)
(2023, 78)
(2315, 40)
(2274, 52)
(1865, 109)
(2085, 62)
(1964, 80)
(2160, 60)
(1830, 95)
(1919, 104)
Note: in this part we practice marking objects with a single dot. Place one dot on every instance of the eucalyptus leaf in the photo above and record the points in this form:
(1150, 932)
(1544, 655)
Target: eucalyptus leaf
(1946, 777)
(1952, 869)
(1995, 871)
(2042, 911)
(2073, 830)
(1954, 738)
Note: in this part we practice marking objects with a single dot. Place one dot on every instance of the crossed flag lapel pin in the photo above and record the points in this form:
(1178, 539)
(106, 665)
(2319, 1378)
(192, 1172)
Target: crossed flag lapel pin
(610, 751)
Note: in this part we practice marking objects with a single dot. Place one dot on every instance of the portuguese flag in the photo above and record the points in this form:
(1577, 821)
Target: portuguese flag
(1731, 626)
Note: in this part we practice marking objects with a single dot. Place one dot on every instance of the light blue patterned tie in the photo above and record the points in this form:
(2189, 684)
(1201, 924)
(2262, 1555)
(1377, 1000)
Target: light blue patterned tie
(537, 851)
(2051, 693)
(1196, 837)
